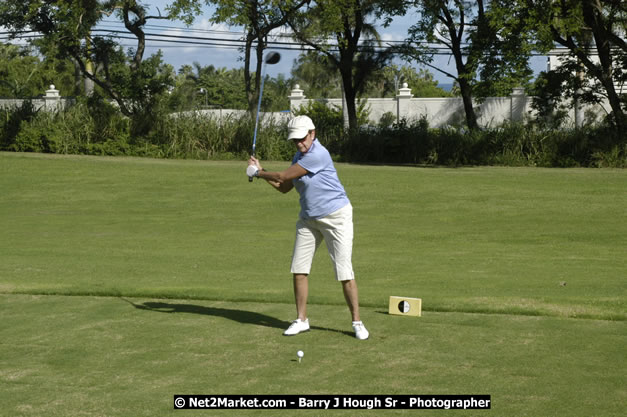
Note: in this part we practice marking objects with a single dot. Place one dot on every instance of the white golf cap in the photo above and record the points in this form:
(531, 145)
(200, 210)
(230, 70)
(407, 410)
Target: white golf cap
(298, 127)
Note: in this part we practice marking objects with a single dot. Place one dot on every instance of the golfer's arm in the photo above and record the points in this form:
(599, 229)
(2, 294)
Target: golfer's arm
(282, 181)
(285, 187)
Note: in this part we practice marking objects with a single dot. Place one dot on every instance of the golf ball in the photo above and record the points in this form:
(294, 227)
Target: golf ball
(300, 354)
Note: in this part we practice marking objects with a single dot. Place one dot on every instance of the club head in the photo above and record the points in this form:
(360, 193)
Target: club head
(272, 58)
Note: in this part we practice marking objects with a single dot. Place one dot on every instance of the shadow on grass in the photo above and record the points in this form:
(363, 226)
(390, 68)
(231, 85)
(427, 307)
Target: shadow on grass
(240, 316)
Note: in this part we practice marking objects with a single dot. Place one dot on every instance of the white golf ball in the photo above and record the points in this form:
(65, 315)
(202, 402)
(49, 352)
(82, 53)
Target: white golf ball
(300, 354)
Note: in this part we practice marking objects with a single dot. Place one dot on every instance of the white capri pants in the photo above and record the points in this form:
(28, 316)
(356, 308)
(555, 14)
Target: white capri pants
(337, 231)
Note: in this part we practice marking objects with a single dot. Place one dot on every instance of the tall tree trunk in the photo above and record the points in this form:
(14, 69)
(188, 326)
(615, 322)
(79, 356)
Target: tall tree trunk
(350, 93)
(592, 15)
(351, 96)
(465, 71)
(464, 74)
(466, 92)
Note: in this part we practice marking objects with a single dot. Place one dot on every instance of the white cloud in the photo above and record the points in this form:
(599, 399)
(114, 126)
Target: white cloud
(17, 41)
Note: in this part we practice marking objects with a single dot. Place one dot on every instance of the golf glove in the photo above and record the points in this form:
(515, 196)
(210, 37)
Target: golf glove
(252, 171)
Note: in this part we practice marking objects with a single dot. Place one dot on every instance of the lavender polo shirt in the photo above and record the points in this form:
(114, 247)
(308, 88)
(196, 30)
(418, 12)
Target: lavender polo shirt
(321, 192)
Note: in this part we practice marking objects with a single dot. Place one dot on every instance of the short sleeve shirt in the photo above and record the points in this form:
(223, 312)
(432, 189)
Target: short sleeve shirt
(321, 192)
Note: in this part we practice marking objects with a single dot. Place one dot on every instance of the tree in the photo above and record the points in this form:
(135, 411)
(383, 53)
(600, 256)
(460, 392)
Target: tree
(387, 81)
(23, 74)
(502, 47)
(586, 28)
(317, 75)
(446, 23)
(67, 28)
(275, 94)
(487, 59)
(320, 78)
(19, 73)
(197, 86)
(63, 72)
(222, 87)
(259, 18)
(355, 51)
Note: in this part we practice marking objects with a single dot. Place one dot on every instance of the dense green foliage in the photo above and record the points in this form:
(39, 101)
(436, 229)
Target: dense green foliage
(319, 79)
(94, 127)
(509, 145)
(388, 80)
(221, 88)
(24, 74)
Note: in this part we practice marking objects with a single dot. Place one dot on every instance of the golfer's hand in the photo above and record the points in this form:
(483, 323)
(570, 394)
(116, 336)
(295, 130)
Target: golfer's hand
(254, 161)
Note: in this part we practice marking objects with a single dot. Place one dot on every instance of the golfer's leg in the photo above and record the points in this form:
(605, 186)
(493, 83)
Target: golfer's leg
(337, 229)
(301, 292)
(352, 297)
(307, 241)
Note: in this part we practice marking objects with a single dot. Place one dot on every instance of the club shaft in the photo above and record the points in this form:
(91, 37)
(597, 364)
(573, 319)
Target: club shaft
(263, 78)
(273, 60)
(263, 72)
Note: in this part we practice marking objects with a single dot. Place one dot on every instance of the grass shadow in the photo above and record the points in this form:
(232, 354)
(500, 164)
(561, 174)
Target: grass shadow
(326, 329)
(241, 316)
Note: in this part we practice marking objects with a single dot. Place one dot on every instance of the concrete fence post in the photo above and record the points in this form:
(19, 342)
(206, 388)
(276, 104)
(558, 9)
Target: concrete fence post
(403, 99)
(296, 97)
(52, 99)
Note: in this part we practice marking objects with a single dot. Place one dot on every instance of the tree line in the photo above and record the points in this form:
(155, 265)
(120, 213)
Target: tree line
(490, 43)
(24, 74)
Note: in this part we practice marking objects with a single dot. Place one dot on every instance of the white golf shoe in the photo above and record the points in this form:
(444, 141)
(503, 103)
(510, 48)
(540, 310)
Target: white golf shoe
(361, 332)
(297, 326)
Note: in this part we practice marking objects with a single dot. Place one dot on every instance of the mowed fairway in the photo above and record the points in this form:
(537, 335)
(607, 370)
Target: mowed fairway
(125, 281)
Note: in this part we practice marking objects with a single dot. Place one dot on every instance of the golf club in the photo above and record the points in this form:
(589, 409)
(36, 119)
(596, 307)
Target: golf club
(270, 59)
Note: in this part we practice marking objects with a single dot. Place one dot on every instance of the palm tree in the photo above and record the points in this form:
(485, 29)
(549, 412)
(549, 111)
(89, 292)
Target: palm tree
(317, 75)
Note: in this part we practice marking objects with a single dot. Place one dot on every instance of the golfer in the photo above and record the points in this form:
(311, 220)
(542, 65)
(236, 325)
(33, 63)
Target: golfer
(326, 214)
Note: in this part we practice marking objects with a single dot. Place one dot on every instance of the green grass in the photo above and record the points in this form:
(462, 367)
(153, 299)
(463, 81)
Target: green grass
(125, 281)
(128, 357)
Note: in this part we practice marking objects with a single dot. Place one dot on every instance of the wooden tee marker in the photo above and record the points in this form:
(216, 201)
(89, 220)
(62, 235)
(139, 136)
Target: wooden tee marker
(405, 306)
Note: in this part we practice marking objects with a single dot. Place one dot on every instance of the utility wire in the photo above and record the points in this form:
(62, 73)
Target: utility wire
(217, 41)
(165, 40)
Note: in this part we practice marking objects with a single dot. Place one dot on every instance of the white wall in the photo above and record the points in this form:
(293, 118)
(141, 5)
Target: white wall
(444, 111)
(52, 101)
(437, 111)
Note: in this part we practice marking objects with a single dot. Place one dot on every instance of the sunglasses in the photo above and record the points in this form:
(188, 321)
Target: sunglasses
(301, 139)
